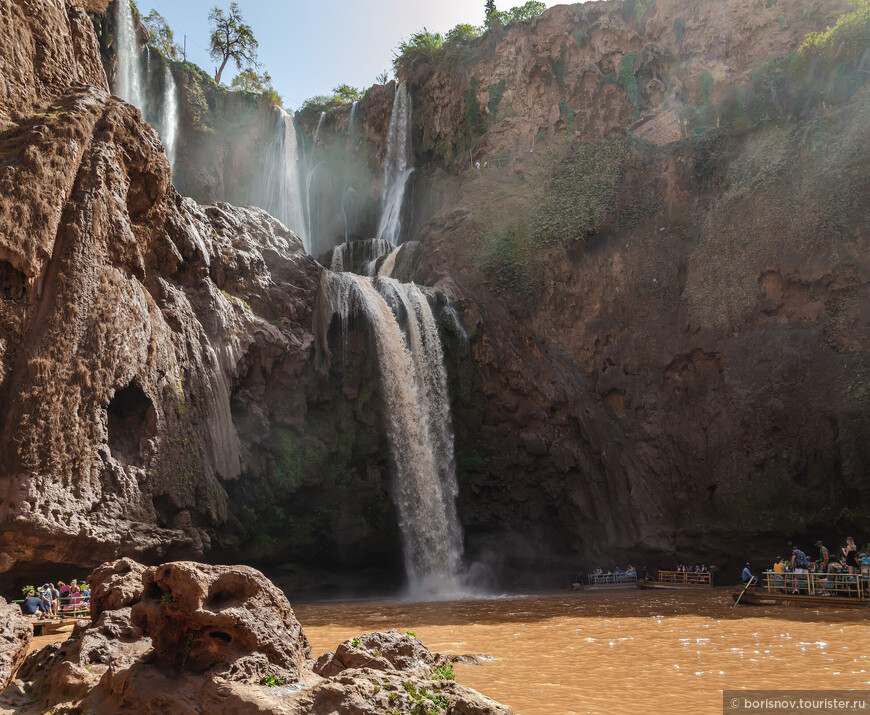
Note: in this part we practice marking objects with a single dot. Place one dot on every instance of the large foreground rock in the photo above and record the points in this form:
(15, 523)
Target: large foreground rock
(15, 636)
(223, 639)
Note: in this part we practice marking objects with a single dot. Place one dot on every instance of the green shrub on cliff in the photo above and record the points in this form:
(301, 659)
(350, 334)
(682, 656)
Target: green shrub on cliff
(827, 69)
(581, 191)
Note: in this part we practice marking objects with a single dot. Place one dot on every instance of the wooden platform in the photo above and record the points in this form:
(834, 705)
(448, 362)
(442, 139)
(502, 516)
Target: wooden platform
(674, 586)
(762, 598)
(44, 626)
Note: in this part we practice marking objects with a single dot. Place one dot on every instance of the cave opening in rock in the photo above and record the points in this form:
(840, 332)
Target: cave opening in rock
(131, 417)
(12, 282)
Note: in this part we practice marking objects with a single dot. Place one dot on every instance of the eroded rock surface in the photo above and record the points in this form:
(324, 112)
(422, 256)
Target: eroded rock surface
(16, 632)
(223, 639)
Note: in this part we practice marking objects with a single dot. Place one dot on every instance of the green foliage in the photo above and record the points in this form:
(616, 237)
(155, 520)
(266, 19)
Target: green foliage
(629, 82)
(166, 599)
(419, 55)
(679, 28)
(231, 39)
(356, 643)
(568, 113)
(411, 633)
(383, 77)
(579, 38)
(845, 42)
(706, 85)
(523, 13)
(460, 43)
(160, 35)
(249, 80)
(489, 7)
(28, 591)
(641, 8)
(272, 680)
(444, 672)
(582, 191)
(496, 92)
(474, 121)
(346, 93)
(559, 67)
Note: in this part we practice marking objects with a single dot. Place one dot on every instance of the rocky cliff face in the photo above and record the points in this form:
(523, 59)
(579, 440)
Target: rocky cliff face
(669, 316)
(143, 341)
(666, 303)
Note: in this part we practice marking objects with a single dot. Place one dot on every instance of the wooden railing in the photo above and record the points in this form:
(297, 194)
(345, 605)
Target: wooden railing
(594, 579)
(69, 607)
(702, 578)
(816, 584)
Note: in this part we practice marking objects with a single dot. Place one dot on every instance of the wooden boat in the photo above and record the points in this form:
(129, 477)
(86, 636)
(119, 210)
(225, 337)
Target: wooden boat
(679, 580)
(608, 581)
(814, 590)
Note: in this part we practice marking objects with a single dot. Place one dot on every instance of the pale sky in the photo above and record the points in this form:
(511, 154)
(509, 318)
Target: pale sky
(310, 47)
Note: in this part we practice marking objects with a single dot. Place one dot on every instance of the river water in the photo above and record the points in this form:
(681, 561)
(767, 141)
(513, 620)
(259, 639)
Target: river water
(619, 652)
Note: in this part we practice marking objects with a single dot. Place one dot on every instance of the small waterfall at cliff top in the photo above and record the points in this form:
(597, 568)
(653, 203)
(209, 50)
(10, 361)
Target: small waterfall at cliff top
(280, 188)
(169, 118)
(133, 82)
(419, 431)
(396, 167)
(129, 79)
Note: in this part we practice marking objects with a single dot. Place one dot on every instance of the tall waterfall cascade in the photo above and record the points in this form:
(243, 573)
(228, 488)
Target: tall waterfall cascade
(280, 189)
(132, 81)
(129, 82)
(418, 421)
(397, 167)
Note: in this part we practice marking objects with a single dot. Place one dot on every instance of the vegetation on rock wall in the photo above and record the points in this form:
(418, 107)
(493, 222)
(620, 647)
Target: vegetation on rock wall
(425, 51)
(825, 70)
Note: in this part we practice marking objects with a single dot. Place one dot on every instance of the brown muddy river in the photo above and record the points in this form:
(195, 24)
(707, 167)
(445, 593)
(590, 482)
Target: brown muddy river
(619, 652)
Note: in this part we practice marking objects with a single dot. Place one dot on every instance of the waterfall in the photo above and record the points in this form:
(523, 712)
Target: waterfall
(387, 266)
(352, 132)
(132, 83)
(170, 115)
(359, 256)
(337, 265)
(417, 414)
(279, 189)
(319, 125)
(129, 78)
(396, 167)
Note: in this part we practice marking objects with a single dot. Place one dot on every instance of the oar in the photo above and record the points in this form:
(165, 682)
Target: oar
(748, 584)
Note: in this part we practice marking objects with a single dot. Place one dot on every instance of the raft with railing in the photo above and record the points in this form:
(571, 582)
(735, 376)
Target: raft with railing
(70, 610)
(807, 589)
(620, 579)
(679, 580)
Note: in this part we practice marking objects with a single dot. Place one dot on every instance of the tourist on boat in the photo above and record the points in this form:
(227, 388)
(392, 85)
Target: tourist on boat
(747, 575)
(824, 559)
(33, 605)
(800, 565)
(850, 551)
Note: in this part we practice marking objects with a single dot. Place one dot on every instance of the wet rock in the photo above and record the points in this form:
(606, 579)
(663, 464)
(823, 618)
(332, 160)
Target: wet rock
(16, 632)
(392, 650)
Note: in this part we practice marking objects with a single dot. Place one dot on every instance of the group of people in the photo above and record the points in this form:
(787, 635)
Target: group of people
(849, 562)
(52, 601)
(616, 575)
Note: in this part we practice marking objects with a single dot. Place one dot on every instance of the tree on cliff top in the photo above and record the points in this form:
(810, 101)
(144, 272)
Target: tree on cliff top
(490, 7)
(160, 35)
(231, 39)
